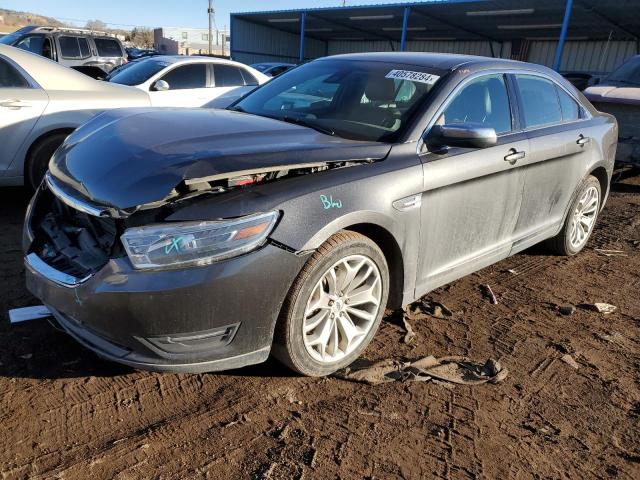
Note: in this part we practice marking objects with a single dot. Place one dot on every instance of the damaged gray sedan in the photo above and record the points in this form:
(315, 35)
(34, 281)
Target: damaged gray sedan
(200, 240)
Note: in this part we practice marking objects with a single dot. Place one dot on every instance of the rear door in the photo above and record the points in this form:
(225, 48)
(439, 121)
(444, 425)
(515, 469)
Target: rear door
(187, 87)
(73, 50)
(560, 149)
(230, 83)
(21, 104)
(471, 197)
(109, 52)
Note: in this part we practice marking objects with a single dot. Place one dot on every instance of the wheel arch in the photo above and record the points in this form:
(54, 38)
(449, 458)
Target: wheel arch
(603, 178)
(41, 138)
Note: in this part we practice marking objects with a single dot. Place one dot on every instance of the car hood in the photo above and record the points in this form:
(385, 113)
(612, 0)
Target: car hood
(613, 94)
(128, 158)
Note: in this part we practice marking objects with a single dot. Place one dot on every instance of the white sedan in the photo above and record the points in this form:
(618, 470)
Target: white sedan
(41, 103)
(179, 81)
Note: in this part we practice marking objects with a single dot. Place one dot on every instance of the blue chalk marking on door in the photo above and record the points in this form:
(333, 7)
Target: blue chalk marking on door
(329, 202)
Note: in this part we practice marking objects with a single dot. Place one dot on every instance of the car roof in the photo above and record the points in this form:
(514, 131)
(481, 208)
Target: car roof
(191, 59)
(441, 61)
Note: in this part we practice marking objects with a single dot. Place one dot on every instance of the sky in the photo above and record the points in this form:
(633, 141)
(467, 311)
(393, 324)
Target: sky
(155, 13)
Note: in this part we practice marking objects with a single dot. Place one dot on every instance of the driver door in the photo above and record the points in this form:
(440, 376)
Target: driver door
(472, 196)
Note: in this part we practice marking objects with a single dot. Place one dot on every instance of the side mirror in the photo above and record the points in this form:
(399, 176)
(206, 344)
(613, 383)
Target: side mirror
(463, 135)
(160, 86)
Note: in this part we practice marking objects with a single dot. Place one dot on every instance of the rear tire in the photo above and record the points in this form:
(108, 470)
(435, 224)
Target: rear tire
(328, 319)
(580, 221)
(39, 157)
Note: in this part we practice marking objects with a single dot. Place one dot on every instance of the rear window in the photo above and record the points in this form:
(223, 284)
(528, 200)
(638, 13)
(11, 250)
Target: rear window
(136, 73)
(107, 47)
(227, 76)
(569, 107)
(249, 79)
(539, 101)
(9, 77)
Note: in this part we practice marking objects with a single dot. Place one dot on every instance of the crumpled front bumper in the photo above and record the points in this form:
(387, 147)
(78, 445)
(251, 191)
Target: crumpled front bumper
(216, 317)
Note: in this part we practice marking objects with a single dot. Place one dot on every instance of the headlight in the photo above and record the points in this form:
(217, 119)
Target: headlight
(196, 243)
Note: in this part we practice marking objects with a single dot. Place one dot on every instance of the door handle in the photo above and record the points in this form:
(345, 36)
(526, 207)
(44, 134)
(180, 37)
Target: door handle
(582, 140)
(514, 156)
(13, 104)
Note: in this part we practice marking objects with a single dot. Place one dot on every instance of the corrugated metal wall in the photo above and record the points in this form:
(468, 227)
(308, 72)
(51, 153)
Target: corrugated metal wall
(584, 56)
(463, 47)
(253, 43)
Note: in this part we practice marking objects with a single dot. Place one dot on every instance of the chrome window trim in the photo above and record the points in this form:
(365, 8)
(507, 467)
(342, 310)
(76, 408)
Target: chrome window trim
(506, 71)
(32, 83)
(35, 263)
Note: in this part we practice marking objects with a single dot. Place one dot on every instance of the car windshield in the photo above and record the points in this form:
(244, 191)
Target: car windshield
(359, 100)
(139, 72)
(10, 39)
(628, 73)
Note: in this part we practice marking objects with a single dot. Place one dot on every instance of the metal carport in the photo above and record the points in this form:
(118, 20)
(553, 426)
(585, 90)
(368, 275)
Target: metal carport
(577, 35)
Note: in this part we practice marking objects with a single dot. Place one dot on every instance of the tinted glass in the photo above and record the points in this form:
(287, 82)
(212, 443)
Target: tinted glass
(84, 47)
(628, 73)
(187, 76)
(261, 67)
(484, 102)
(107, 47)
(138, 72)
(568, 106)
(9, 77)
(539, 101)
(31, 44)
(357, 100)
(69, 47)
(227, 76)
(249, 79)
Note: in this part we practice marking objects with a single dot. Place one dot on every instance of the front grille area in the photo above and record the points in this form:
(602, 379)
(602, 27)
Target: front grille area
(68, 240)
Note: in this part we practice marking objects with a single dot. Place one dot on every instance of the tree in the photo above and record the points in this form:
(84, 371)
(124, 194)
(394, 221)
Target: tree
(142, 37)
(96, 25)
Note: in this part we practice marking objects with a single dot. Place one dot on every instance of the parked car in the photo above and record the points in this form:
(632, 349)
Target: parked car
(273, 69)
(41, 102)
(90, 52)
(619, 95)
(136, 53)
(196, 240)
(179, 81)
(580, 80)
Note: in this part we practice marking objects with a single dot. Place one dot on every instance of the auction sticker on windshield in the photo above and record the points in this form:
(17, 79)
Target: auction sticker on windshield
(420, 77)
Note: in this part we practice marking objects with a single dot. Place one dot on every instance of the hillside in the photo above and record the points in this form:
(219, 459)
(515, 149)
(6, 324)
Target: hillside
(11, 20)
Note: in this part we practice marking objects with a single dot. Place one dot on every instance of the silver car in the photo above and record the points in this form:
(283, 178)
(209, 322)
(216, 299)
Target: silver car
(41, 103)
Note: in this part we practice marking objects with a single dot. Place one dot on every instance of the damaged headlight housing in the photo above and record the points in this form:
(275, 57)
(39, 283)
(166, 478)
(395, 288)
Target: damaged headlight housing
(196, 243)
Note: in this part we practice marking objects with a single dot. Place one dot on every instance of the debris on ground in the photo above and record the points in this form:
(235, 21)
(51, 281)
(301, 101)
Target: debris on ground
(611, 253)
(512, 271)
(489, 294)
(604, 308)
(410, 336)
(459, 370)
(421, 311)
(569, 360)
(567, 309)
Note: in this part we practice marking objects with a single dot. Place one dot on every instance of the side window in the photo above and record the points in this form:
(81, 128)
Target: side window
(10, 77)
(32, 44)
(84, 47)
(107, 47)
(69, 47)
(568, 106)
(249, 79)
(484, 101)
(228, 76)
(539, 101)
(187, 76)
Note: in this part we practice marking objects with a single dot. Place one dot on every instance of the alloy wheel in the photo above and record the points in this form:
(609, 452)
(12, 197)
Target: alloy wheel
(342, 308)
(584, 217)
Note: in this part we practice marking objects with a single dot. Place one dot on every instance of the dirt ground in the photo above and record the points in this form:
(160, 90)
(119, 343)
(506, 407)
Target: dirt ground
(66, 414)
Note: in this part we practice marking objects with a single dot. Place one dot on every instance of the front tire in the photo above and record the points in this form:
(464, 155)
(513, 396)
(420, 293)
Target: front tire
(334, 307)
(581, 219)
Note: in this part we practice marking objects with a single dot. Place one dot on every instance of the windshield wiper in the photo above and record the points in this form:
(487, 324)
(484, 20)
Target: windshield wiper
(305, 123)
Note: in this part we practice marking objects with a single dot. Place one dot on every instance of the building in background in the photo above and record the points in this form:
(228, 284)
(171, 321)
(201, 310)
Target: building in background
(190, 41)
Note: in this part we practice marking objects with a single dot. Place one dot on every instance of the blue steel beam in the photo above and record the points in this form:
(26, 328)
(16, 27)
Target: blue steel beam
(303, 25)
(563, 35)
(405, 22)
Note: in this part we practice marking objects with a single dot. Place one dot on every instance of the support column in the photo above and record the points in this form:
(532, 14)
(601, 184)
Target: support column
(303, 25)
(405, 21)
(563, 35)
